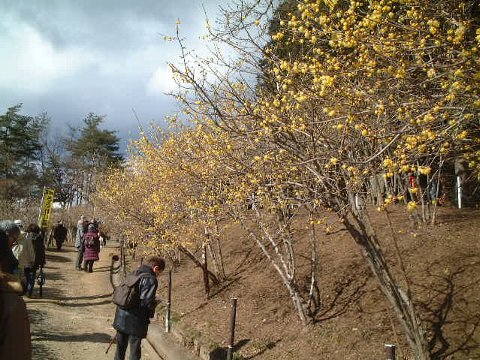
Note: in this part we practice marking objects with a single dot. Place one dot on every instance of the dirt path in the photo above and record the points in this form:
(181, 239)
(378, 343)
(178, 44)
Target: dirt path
(73, 318)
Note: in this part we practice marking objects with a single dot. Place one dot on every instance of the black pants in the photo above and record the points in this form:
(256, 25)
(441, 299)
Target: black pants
(29, 280)
(122, 341)
(88, 265)
(59, 244)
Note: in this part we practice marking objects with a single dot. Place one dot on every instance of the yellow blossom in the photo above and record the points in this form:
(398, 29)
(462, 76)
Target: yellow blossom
(411, 206)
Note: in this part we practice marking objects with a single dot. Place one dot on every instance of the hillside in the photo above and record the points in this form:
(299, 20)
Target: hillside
(354, 321)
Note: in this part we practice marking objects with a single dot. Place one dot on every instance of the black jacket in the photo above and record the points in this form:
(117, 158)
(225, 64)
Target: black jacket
(9, 263)
(39, 247)
(135, 321)
(60, 232)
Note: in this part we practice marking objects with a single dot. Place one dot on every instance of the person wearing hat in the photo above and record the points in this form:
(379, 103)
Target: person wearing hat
(91, 244)
(20, 226)
(81, 230)
(19, 223)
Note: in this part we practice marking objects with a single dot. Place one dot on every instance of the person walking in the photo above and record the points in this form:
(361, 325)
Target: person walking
(15, 339)
(132, 324)
(35, 235)
(9, 261)
(25, 253)
(81, 229)
(91, 245)
(59, 234)
(103, 238)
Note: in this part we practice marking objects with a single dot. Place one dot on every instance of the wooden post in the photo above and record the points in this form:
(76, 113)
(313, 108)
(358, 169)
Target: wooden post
(168, 313)
(459, 192)
(41, 281)
(390, 351)
(123, 258)
(115, 258)
(231, 340)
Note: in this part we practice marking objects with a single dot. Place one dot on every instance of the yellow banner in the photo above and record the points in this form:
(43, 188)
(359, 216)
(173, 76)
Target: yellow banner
(46, 209)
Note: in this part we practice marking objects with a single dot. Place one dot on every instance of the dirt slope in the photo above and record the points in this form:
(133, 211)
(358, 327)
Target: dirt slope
(72, 320)
(354, 321)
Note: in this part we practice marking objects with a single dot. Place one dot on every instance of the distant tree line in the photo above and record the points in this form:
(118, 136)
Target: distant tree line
(30, 159)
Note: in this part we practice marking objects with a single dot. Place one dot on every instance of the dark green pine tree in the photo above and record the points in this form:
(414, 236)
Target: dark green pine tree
(96, 147)
(20, 152)
(93, 151)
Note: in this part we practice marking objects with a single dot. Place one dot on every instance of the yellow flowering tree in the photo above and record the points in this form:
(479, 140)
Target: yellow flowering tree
(152, 201)
(373, 87)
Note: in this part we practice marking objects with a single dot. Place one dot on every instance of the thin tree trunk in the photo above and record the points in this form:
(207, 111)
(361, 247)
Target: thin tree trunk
(218, 248)
(437, 193)
(313, 293)
(205, 270)
(198, 263)
(402, 304)
(279, 265)
(213, 255)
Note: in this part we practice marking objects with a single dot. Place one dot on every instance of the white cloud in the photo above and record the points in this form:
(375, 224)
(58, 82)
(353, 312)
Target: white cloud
(33, 65)
(161, 81)
(70, 57)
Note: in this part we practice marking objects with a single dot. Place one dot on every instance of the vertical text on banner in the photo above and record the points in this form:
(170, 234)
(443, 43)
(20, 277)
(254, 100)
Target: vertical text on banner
(46, 209)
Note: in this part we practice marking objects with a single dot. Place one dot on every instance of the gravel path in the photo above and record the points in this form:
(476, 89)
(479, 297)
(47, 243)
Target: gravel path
(73, 318)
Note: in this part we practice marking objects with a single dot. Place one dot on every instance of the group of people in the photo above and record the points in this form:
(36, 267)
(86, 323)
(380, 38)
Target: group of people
(22, 253)
(87, 243)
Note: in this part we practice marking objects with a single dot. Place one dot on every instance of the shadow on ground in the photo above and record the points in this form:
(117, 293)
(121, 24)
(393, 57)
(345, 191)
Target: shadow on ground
(92, 300)
(91, 297)
(42, 352)
(451, 307)
(84, 304)
(53, 275)
(86, 337)
(220, 353)
(56, 258)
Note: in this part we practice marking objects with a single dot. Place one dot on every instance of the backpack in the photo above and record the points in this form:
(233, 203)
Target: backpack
(127, 295)
(89, 239)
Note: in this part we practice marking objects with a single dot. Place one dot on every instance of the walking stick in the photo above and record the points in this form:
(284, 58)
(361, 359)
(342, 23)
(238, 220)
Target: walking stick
(41, 280)
(112, 340)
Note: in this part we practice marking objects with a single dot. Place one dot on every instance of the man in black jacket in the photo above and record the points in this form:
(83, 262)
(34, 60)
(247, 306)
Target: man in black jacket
(132, 324)
(60, 234)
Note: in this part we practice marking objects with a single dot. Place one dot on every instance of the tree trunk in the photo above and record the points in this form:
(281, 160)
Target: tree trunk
(278, 262)
(401, 303)
(216, 260)
(205, 270)
(218, 247)
(313, 293)
(199, 264)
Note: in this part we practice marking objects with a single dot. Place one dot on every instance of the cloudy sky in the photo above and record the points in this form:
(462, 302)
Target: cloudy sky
(72, 57)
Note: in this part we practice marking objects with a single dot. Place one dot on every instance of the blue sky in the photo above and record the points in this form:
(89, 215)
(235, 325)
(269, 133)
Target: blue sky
(69, 57)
